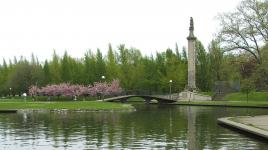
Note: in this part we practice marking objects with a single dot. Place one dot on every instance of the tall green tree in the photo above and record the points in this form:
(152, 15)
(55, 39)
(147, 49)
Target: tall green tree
(216, 59)
(260, 76)
(65, 68)
(112, 66)
(202, 68)
(47, 75)
(100, 66)
(90, 74)
(4, 71)
(54, 67)
(20, 77)
(175, 69)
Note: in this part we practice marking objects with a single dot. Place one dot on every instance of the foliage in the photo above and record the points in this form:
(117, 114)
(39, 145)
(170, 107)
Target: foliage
(69, 90)
(246, 28)
(247, 87)
(260, 74)
(202, 69)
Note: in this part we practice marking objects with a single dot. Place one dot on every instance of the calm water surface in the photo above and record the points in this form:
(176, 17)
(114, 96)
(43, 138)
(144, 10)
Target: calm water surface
(150, 127)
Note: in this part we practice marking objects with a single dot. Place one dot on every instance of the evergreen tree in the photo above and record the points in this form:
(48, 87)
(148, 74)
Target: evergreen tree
(184, 54)
(90, 68)
(47, 78)
(65, 68)
(100, 65)
(112, 66)
(54, 68)
(202, 68)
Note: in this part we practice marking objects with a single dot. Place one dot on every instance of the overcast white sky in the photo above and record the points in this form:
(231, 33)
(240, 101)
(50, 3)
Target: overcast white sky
(39, 26)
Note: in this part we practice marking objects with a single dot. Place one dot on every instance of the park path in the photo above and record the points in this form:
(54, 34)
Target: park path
(256, 121)
(257, 125)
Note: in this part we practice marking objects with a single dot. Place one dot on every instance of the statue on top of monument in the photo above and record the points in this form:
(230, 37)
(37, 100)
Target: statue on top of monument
(191, 28)
(191, 24)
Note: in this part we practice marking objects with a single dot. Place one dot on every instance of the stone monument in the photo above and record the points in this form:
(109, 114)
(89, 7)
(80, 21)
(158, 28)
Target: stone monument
(191, 57)
(190, 92)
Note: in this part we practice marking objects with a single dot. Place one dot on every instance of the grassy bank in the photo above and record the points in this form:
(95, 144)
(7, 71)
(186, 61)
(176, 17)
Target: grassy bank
(253, 97)
(226, 103)
(87, 105)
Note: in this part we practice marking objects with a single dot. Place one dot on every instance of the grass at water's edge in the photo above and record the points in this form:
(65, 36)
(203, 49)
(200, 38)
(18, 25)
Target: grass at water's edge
(263, 104)
(88, 105)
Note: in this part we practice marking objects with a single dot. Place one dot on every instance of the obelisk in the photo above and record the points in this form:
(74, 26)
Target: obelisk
(191, 57)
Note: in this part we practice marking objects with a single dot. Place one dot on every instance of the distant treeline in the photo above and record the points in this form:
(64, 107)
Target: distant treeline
(134, 71)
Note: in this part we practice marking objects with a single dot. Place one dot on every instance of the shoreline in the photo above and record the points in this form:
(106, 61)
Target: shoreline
(249, 124)
(222, 104)
(9, 107)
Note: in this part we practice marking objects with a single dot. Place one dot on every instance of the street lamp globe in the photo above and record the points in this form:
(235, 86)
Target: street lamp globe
(170, 82)
(102, 77)
(10, 91)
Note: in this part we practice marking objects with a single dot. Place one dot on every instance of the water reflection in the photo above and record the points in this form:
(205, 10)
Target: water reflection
(193, 144)
(150, 127)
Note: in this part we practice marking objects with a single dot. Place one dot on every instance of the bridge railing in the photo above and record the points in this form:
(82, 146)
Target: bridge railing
(141, 92)
(173, 96)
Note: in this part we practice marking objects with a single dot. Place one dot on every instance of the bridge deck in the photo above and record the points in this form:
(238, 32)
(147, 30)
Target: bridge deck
(162, 99)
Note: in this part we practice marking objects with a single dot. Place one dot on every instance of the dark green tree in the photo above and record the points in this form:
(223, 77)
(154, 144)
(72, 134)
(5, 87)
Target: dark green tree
(47, 78)
(202, 68)
(90, 75)
(54, 67)
(65, 68)
(100, 65)
(112, 64)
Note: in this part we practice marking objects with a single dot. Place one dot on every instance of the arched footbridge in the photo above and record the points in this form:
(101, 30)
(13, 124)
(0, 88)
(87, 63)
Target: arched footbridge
(147, 98)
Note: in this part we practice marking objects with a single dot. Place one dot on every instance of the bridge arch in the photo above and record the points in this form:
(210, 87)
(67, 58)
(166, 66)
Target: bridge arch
(147, 98)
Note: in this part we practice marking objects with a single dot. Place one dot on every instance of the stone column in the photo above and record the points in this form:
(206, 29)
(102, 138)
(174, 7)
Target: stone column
(191, 57)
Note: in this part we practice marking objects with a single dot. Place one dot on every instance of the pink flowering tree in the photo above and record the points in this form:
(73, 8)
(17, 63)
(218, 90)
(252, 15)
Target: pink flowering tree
(114, 88)
(69, 90)
(101, 87)
(33, 91)
(91, 91)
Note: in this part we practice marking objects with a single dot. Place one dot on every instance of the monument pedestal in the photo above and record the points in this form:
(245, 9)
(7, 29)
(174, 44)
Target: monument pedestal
(193, 96)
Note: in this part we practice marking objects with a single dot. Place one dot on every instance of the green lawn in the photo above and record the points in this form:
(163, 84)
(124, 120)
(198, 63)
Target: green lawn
(226, 103)
(256, 99)
(253, 97)
(88, 105)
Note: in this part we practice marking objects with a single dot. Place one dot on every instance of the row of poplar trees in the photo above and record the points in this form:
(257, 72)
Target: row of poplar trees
(134, 70)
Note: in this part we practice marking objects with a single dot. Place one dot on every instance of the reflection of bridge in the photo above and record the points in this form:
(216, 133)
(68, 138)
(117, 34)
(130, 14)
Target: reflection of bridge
(147, 98)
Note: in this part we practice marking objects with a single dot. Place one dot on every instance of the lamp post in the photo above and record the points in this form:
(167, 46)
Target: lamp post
(10, 91)
(170, 82)
(102, 95)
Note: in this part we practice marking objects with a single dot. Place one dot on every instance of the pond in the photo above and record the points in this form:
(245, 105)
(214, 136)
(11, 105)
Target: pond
(150, 127)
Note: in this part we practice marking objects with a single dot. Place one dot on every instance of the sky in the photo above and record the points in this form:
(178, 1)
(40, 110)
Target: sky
(75, 26)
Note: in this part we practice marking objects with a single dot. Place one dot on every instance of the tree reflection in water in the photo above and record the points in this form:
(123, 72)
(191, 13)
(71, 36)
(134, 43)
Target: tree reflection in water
(157, 127)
